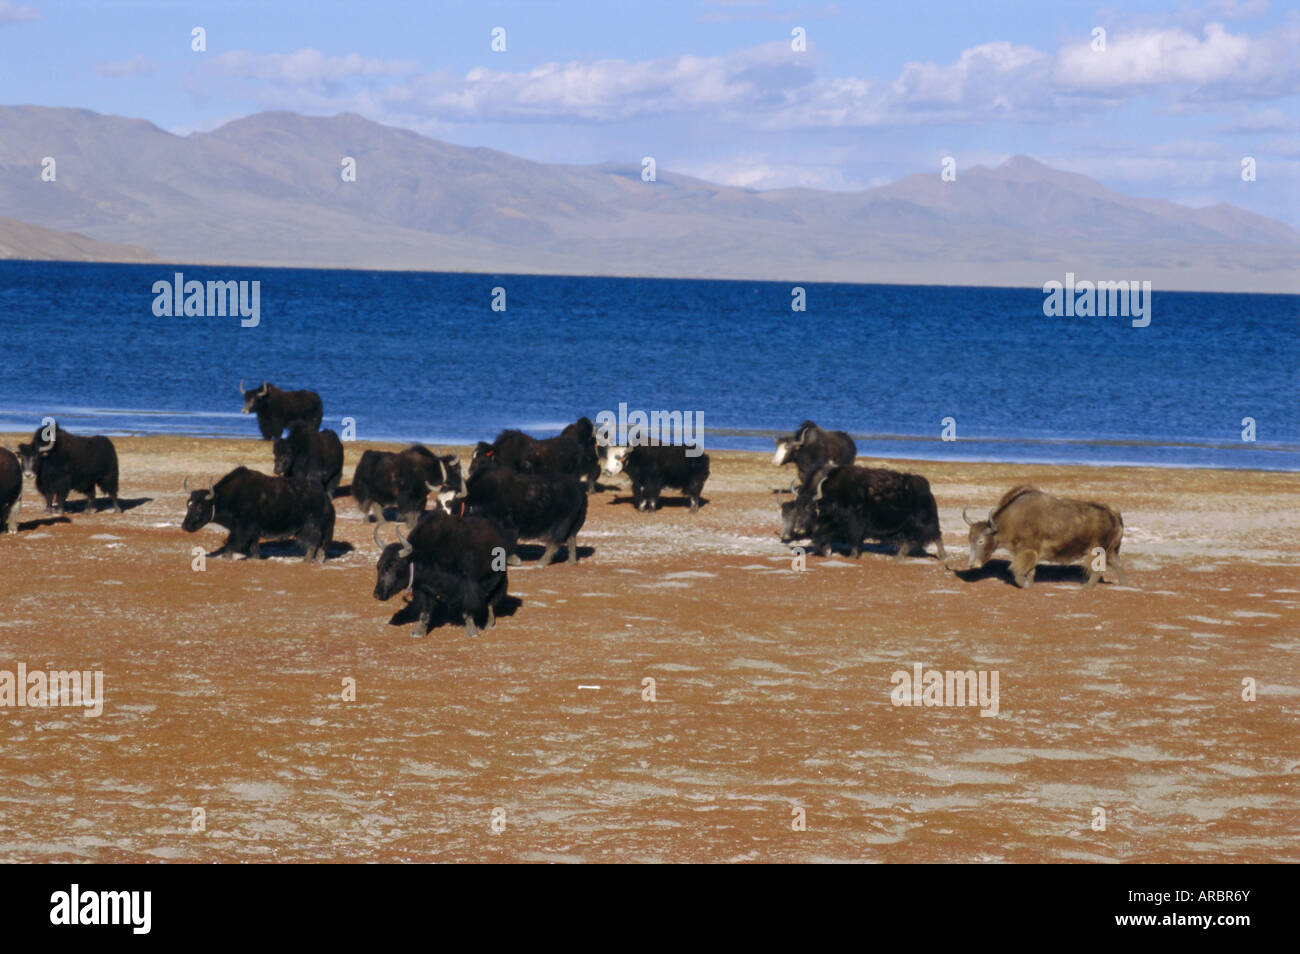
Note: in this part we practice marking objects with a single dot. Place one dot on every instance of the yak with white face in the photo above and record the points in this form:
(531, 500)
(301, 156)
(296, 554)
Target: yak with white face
(812, 449)
(653, 467)
(1039, 528)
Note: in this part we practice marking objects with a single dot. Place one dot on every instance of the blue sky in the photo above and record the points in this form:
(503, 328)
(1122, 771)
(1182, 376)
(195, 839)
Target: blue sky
(1180, 94)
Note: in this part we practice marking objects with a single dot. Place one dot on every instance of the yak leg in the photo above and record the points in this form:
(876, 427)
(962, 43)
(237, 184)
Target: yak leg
(572, 544)
(1023, 566)
(471, 627)
(90, 500)
(938, 549)
(548, 555)
(904, 549)
(1113, 559)
(227, 550)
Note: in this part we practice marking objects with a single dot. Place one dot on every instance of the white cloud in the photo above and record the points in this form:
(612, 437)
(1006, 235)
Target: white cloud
(1219, 66)
(769, 88)
(13, 13)
(138, 65)
(306, 69)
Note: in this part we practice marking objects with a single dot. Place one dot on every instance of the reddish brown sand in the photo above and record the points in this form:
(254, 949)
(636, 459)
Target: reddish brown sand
(773, 688)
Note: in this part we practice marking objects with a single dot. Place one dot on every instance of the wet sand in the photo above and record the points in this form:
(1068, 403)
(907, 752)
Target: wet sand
(772, 687)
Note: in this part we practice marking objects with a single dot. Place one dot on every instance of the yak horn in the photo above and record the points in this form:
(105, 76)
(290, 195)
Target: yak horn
(410, 580)
(241, 386)
(262, 391)
(186, 484)
(379, 543)
(793, 489)
(964, 516)
(818, 495)
(407, 549)
(212, 492)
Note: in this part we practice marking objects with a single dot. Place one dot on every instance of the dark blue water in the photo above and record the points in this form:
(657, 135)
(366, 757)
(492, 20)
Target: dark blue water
(422, 356)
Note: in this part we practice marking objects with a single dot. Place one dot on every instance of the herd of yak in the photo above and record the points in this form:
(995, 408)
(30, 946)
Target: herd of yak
(451, 561)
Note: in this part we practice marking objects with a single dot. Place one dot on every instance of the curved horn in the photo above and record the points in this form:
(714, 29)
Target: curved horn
(407, 549)
(410, 580)
(265, 386)
(212, 492)
(992, 526)
(793, 488)
(186, 484)
(969, 521)
(379, 543)
(241, 386)
(818, 495)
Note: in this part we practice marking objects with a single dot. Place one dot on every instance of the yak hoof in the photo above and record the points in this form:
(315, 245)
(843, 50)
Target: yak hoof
(513, 560)
(471, 628)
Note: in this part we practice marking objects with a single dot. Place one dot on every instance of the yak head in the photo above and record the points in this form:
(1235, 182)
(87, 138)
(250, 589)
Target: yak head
(613, 459)
(254, 398)
(43, 441)
(483, 457)
(289, 446)
(448, 484)
(983, 539)
(395, 570)
(283, 456)
(787, 447)
(200, 510)
(29, 455)
(797, 514)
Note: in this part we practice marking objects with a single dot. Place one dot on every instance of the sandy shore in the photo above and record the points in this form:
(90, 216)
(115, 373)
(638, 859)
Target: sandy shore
(772, 687)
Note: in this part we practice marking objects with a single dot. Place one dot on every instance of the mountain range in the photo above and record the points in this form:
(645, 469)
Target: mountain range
(267, 190)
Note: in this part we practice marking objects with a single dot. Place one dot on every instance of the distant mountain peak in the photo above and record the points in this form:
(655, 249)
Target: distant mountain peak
(267, 189)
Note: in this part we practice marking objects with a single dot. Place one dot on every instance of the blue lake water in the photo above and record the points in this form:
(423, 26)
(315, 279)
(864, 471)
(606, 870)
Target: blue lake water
(422, 356)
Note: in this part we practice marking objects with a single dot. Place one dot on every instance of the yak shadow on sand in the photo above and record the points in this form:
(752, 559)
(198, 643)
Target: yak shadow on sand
(532, 552)
(870, 547)
(664, 502)
(407, 614)
(1046, 573)
(288, 549)
(94, 507)
(28, 525)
